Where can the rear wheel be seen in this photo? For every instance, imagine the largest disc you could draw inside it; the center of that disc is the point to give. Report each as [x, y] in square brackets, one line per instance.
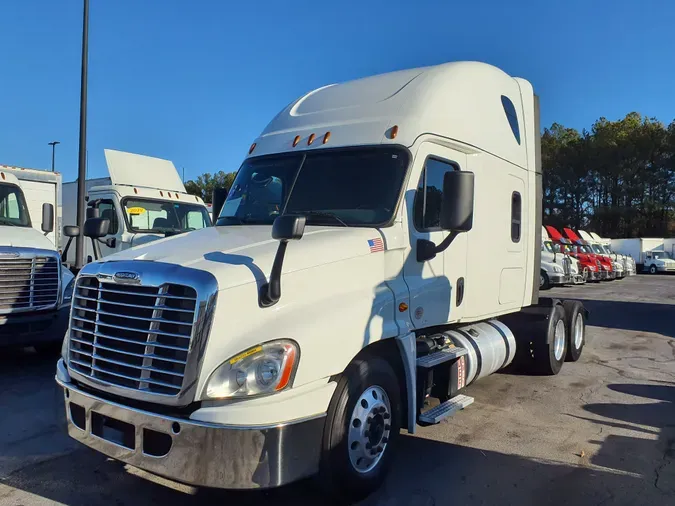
[362, 429]
[549, 354]
[575, 321]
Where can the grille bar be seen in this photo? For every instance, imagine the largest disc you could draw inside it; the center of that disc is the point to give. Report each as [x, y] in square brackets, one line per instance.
[133, 336]
[28, 283]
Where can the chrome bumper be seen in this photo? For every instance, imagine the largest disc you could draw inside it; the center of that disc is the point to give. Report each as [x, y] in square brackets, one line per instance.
[190, 452]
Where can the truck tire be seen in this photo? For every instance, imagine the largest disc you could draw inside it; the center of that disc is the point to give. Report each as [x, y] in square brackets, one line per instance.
[652, 269]
[575, 322]
[544, 282]
[362, 429]
[549, 353]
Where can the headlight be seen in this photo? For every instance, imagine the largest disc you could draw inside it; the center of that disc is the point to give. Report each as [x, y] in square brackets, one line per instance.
[262, 370]
[557, 268]
[68, 292]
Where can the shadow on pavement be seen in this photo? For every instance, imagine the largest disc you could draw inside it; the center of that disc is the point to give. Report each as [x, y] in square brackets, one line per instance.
[636, 316]
[426, 473]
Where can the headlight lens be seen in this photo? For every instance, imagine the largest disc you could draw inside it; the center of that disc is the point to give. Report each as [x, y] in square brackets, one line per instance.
[261, 370]
[68, 292]
[557, 268]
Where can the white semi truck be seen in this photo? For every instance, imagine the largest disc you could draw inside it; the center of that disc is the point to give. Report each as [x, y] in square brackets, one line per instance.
[598, 248]
[649, 254]
[143, 198]
[558, 267]
[35, 289]
[378, 252]
[627, 261]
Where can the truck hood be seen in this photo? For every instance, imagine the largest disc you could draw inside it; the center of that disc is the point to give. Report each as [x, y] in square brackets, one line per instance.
[24, 237]
[237, 255]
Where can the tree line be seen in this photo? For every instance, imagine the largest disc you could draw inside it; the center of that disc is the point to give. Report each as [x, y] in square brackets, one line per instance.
[616, 179]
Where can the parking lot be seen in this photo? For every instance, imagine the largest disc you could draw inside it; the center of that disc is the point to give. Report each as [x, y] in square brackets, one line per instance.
[601, 432]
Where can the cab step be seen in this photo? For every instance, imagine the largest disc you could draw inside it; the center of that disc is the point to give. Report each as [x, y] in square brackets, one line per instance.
[444, 355]
[446, 409]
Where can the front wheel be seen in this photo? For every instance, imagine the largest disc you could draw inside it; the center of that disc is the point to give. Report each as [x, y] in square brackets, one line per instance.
[362, 429]
[544, 282]
[652, 269]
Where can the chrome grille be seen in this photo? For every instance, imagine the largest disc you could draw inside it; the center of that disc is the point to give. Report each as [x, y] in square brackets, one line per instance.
[566, 264]
[28, 283]
[132, 336]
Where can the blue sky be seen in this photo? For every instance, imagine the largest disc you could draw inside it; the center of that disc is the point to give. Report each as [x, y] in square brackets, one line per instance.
[196, 81]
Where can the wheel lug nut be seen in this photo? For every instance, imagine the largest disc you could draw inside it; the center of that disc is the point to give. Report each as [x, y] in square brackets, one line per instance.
[383, 409]
[386, 416]
[370, 419]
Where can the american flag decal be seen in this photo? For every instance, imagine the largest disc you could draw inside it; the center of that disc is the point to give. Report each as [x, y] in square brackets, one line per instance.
[375, 245]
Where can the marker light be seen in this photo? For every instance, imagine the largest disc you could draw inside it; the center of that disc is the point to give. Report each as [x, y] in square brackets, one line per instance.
[250, 150]
[326, 137]
[296, 140]
[311, 139]
[136, 191]
[393, 132]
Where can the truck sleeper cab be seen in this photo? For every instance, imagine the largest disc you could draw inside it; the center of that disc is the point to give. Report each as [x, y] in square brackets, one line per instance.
[351, 277]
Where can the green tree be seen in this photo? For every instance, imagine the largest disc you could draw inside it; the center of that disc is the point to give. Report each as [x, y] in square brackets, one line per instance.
[204, 185]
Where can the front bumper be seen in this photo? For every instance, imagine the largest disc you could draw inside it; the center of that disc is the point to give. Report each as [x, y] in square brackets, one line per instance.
[25, 329]
[195, 453]
[559, 279]
[665, 268]
[594, 276]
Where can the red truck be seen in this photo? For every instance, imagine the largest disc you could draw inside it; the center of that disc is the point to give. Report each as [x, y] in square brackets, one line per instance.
[589, 261]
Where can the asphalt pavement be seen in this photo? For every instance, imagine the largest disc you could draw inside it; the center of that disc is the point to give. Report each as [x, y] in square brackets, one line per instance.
[602, 432]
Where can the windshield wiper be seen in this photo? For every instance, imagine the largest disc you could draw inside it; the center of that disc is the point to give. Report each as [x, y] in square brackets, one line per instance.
[8, 223]
[322, 213]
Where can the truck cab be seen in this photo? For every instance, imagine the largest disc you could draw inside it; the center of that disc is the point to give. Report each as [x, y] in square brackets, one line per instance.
[143, 200]
[380, 248]
[35, 290]
[589, 263]
[607, 271]
[625, 260]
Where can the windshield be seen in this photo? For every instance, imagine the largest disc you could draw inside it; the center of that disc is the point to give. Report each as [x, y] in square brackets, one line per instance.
[598, 249]
[347, 187]
[13, 210]
[549, 247]
[607, 249]
[585, 249]
[161, 216]
[660, 255]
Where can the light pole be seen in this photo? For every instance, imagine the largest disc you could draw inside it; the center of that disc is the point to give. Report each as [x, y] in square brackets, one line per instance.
[82, 164]
[53, 145]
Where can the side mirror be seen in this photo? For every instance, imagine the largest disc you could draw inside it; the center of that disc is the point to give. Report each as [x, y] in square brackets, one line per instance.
[71, 231]
[289, 227]
[218, 198]
[47, 217]
[92, 212]
[96, 227]
[457, 204]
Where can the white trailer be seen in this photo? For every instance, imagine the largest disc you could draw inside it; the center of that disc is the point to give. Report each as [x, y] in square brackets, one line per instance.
[35, 289]
[649, 254]
[401, 213]
[144, 199]
[669, 246]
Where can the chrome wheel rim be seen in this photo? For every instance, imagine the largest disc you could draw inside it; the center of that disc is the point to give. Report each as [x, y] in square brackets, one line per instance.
[578, 331]
[369, 429]
[559, 340]
[541, 280]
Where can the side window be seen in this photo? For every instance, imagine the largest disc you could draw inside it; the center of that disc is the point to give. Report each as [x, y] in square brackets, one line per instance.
[511, 116]
[106, 209]
[516, 212]
[427, 207]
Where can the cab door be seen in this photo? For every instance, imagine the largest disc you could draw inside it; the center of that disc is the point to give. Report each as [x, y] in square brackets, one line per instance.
[437, 284]
[108, 207]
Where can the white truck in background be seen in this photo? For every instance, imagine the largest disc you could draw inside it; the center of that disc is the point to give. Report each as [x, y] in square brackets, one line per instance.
[35, 289]
[401, 213]
[558, 267]
[649, 254]
[626, 260]
[599, 249]
[143, 198]
[669, 246]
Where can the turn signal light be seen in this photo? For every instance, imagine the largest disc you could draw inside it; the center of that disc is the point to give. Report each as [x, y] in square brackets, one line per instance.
[250, 150]
[393, 132]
